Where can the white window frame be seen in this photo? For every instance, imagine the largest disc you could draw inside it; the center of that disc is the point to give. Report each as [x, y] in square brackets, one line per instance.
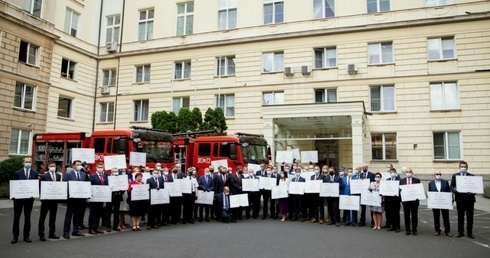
[325, 95]
[139, 111]
[187, 27]
[113, 31]
[109, 77]
[320, 14]
[70, 107]
[437, 2]
[274, 5]
[326, 52]
[275, 97]
[378, 49]
[226, 104]
[440, 43]
[146, 25]
[382, 98]
[68, 69]
[378, 6]
[24, 88]
[31, 51]
[446, 145]
[275, 57]
[145, 72]
[105, 113]
[444, 96]
[185, 72]
[383, 142]
[227, 8]
[224, 65]
[18, 142]
[30, 5]
[71, 28]
[180, 101]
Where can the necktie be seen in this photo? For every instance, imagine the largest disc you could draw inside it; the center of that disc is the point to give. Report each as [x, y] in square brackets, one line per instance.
[348, 180]
[316, 177]
[101, 179]
[206, 179]
[226, 202]
[53, 177]
[224, 179]
[409, 181]
[78, 176]
[27, 174]
[331, 179]
[238, 178]
[164, 177]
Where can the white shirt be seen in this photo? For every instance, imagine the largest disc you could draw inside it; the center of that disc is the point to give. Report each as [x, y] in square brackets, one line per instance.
[438, 185]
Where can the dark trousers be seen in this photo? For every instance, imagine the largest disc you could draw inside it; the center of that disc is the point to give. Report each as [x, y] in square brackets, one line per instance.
[176, 208]
[320, 207]
[112, 208]
[254, 205]
[154, 215]
[410, 214]
[273, 208]
[310, 201]
[188, 203]
[96, 213]
[362, 219]
[19, 205]
[50, 206]
[445, 219]
[392, 209]
[74, 208]
[333, 209]
[467, 207]
[298, 208]
[266, 195]
[166, 208]
[350, 216]
[204, 210]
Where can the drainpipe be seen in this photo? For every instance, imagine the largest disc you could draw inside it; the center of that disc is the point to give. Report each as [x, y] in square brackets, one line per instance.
[97, 66]
[119, 64]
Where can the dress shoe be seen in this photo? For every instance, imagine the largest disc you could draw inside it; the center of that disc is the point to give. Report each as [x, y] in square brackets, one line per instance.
[200, 219]
[66, 236]
[27, 240]
[82, 227]
[391, 229]
[407, 233]
[414, 233]
[92, 232]
[437, 233]
[191, 221]
[255, 217]
[346, 224]
[54, 236]
[263, 218]
[321, 221]
[294, 219]
[148, 228]
[109, 229]
[362, 224]
[42, 238]
[448, 234]
[337, 224]
[99, 231]
[331, 223]
[460, 235]
[354, 224]
[77, 234]
[155, 227]
[116, 229]
[207, 220]
[14, 240]
[386, 226]
[471, 236]
[397, 230]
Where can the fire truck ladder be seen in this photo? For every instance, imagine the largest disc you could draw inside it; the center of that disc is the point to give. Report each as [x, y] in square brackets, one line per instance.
[148, 129]
[195, 134]
[249, 134]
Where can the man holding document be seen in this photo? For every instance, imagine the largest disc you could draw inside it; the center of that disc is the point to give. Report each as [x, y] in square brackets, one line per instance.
[465, 202]
[440, 185]
[410, 208]
[50, 206]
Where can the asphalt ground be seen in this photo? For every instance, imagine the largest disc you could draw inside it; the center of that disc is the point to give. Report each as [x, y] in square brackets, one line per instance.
[252, 238]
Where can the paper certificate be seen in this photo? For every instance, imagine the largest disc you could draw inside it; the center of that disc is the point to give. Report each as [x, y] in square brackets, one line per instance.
[284, 156]
[83, 154]
[307, 156]
[469, 184]
[118, 183]
[329, 190]
[54, 190]
[385, 175]
[101, 193]
[79, 189]
[357, 186]
[313, 186]
[24, 189]
[279, 191]
[347, 202]
[370, 198]
[159, 196]
[440, 200]
[239, 200]
[115, 161]
[140, 192]
[173, 188]
[307, 175]
[205, 197]
[219, 163]
[137, 159]
[250, 185]
[412, 192]
[185, 186]
[255, 168]
[389, 188]
[266, 183]
[297, 188]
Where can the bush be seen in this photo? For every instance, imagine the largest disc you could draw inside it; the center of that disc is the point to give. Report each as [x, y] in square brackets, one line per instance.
[4, 190]
[8, 168]
[486, 192]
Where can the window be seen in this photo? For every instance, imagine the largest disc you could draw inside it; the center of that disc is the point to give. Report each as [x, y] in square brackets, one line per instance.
[109, 77]
[28, 53]
[380, 53]
[185, 18]
[113, 28]
[323, 8]
[99, 144]
[273, 11]
[182, 70]
[106, 112]
[272, 98]
[376, 6]
[178, 103]
[68, 69]
[444, 95]
[227, 14]
[145, 25]
[273, 62]
[383, 146]
[325, 57]
[383, 98]
[204, 149]
[65, 106]
[20, 141]
[143, 73]
[225, 66]
[224, 150]
[227, 103]
[24, 96]
[441, 48]
[141, 110]
[447, 145]
[437, 2]
[33, 7]
[71, 22]
[325, 95]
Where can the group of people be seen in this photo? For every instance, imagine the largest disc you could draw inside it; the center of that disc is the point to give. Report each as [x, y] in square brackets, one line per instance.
[224, 182]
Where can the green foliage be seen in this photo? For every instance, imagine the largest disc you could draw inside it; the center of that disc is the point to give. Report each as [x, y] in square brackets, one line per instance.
[188, 120]
[185, 121]
[486, 192]
[197, 118]
[4, 190]
[8, 168]
[164, 120]
[214, 119]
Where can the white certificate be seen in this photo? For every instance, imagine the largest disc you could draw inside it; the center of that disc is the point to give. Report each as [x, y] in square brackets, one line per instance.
[329, 190]
[54, 190]
[239, 200]
[159, 196]
[347, 202]
[118, 183]
[309, 156]
[296, 154]
[313, 186]
[137, 159]
[79, 189]
[217, 163]
[83, 154]
[186, 186]
[115, 161]
[284, 156]
[205, 197]
[385, 175]
[412, 192]
[357, 186]
[173, 188]
[250, 185]
[24, 189]
[101, 193]
[469, 184]
[297, 188]
[279, 191]
[266, 183]
[440, 200]
[307, 175]
[370, 198]
[140, 192]
[389, 188]
[255, 167]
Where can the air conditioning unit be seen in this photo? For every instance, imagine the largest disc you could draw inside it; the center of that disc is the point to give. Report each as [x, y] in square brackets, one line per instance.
[289, 71]
[352, 69]
[105, 90]
[111, 46]
[306, 69]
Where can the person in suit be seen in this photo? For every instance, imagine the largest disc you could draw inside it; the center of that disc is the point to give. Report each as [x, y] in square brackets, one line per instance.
[316, 207]
[297, 199]
[223, 204]
[465, 202]
[392, 205]
[350, 216]
[136, 208]
[333, 202]
[25, 173]
[274, 207]
[377, 211]
[253, 198]
[113, 207]
[166, 208]
[189, 199]
[283, 203]
[206, 184]
[50, 206]
[97, 208]
[410, 208]
[236, 188]
[220, 181]
[154, 214]
[266, 195]
[176, 202]
[365, 174]
[440, 185]
[74, 206]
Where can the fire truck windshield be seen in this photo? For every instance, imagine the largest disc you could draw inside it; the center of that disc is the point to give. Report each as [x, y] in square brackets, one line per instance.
[156, 151]
[254, 154]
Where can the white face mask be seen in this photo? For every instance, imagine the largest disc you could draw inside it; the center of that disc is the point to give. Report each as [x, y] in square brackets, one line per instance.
[438, 177]
[377, 179]
[251, 174]
[393, 175]
[207, 173]
[79, 168]
[409, 175]
[165, 173]
[298, 174]
[100, 170]
[349, 173]
[52, 169]
[158, 168]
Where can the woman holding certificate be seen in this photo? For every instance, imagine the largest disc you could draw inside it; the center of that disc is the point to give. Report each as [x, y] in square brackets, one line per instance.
[377, 210]
[283, 203]
[136, 208]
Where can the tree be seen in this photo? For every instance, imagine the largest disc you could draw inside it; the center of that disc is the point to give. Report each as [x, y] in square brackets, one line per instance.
[165, 121]
[188, 120]
[196, 118]
[185, 121]
[214, 119]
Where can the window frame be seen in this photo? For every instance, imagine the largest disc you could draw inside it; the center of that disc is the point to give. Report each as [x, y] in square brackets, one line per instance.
[182, 101]
[445, 101]
[226, 105]
[378, 6]
[70, 106]
[324, 54]
[224, 70]
[187, 27]
[109, 77]
[29, 6]
[148, 24]
[185, 73]
[104, 108]
[384, 146]
[143, 73]
[70, 28]
[139, 114]
[381, 97]
[28, 48]
[112, 28]
[19, 142]
[446, 146]
[68, 75]
[274, 4]
[273, 95]
[380, 53]
[275, 55]
[229, 7]
[435, 3]
[440, 49]
[323, 5]
[23, 96]
[325, 95]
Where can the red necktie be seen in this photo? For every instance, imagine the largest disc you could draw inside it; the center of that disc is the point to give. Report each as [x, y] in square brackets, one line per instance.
[53, 178]
[27, 174]
[101, 179]
[224, 179]
[409, 181]
[165, 178]
[238, 178]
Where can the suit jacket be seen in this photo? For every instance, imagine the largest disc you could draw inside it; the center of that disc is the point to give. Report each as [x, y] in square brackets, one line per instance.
[20, 174]
[71, 176]
[219, 184]
[444, 186]
[295, 179]
[236, 185]
[461, 197]
[336, 179]
[95, 179]
[153, 184]
[219, 206]
[320, 177]
[370, 176]
[47, 177]
[179, 175]
[261, 172]
[415, 180]
[209, 186]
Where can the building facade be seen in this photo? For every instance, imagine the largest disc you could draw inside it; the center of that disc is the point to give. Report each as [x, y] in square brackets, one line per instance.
[375, 81]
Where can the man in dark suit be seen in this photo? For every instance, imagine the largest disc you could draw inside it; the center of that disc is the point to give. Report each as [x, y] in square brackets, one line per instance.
[333, 202]
[410, 208]
[266, 194]
[220, 181]
[113, 207]
[440, 185]
[74, 206]
[97, 208]
[297, 199]
[176, 202]
[392, 205]
[166, 208]
[154, 214]
[25, 173]
[223, 205]
[365, 174]
[206, 183]
[274, 207]
[253, 198]
[236, 188]
[50, 206]
[315, 206]
[465, 202]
